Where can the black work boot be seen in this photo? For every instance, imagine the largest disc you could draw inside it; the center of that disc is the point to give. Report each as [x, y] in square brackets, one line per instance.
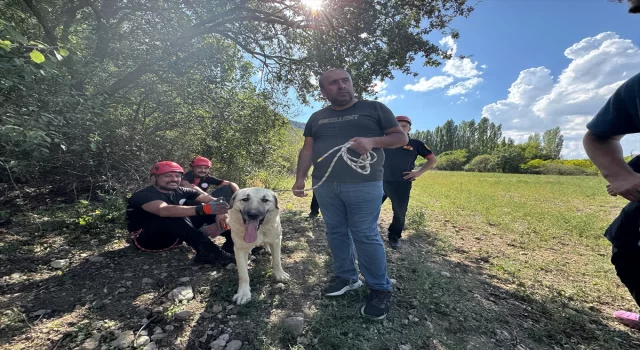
[209, 253]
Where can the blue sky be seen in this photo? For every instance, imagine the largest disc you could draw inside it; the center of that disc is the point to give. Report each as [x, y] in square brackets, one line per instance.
[561, 59]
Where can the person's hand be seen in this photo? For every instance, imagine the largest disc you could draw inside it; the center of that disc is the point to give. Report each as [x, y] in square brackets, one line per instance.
[626, 186]
[298, 188]
[411, 175]
[221, 220]
[362, 145]
[215, 207]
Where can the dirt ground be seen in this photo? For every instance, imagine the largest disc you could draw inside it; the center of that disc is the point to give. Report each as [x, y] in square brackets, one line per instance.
[111, 294]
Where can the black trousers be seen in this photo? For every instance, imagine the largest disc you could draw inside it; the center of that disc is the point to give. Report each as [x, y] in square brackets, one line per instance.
[166, 232]
[398, 192]
[626, 261]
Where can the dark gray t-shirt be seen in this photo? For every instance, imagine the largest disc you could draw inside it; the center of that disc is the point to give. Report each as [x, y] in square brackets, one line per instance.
[621, 114]
[331, 128]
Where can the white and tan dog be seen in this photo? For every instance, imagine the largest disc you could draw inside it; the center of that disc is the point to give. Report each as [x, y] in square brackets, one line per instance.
[254, 219]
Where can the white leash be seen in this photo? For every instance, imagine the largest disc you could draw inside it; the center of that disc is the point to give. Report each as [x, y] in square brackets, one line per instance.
[361, 165]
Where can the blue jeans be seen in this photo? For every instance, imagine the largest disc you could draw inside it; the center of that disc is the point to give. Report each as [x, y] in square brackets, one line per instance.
[350, 212]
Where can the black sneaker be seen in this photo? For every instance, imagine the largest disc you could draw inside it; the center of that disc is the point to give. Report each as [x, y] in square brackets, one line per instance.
[220, 257]
[338, 286]
[378, 303]
[394, 243]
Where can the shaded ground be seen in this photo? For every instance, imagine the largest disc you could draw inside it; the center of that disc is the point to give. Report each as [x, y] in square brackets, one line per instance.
[444, 296]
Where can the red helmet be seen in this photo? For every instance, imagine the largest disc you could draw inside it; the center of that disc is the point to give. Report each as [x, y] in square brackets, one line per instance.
[166, 166]
[403, 118]
[200, 161]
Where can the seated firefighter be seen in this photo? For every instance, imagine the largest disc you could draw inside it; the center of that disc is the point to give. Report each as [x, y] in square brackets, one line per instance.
[159, 217]
[200, 180]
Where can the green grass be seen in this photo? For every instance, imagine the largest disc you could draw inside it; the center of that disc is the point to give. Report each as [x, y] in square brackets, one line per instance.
[543, 232]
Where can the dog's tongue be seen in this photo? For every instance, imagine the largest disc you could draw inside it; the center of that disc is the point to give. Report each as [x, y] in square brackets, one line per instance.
[251, 231]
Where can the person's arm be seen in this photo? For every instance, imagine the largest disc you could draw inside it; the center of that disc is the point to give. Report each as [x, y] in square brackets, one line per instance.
[304, 164]
[187, 184]
[606, 154]
[431, 162]
[393, 137]
[233, 185]
[205, 198]
[163, 209]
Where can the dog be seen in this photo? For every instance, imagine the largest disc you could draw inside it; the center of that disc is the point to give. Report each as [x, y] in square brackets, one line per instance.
[254, 219]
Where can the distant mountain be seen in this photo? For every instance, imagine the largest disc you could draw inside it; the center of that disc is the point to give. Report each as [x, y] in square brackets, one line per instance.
[297, 125]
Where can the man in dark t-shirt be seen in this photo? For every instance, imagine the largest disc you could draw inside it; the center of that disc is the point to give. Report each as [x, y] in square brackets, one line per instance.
[350, 200]
[399, 176]
[200, 180]
[158, 218]
[618, 117]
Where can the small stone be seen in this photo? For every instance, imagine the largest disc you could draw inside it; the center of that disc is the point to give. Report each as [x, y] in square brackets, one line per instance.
[404, 347]
[147, 281]
[445, 274]
[91, 343]
[181, 293]
[96, 258]
[157, 330]
[203, 338]
[183, 315]
[144, 332]
[393, 281]
[219, 343]
[294, 325]
[40, 312]
[216, 308]
[142, 341]
[168, 328]
[206, 314]
[158, 336]
[280, 286]
[234, 345]
[231, 267]
[151, 346]
[405, 321]
[229, 307]
[60, 264]
[124, 340]
[97, 324]
[121, 290]
[185, 279]
[15, 275]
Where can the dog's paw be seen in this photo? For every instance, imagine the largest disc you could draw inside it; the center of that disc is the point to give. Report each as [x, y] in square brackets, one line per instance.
[281, 276]
[242, 297]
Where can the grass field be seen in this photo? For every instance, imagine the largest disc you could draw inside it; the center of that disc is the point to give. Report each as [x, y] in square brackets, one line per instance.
[490, 261]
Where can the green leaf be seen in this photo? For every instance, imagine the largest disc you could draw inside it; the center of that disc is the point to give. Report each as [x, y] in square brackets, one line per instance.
[5, 44]
[36, 56]
[64, 52]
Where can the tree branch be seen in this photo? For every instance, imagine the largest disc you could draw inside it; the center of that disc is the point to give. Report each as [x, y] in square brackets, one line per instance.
[48, 32]
[70, 17]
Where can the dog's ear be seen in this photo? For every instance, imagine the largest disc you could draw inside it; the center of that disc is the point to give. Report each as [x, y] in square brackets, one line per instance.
[233, 198]
[275, 200]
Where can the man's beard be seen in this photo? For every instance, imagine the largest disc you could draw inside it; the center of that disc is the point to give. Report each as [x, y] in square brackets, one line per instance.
[343, 100]
[167, 188]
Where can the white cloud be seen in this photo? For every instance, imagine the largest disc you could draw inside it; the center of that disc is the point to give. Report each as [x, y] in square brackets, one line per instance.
[449, 43]
[537, 102]
[464, 86]
[461, 67]
[379, 88]
[436, 82]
